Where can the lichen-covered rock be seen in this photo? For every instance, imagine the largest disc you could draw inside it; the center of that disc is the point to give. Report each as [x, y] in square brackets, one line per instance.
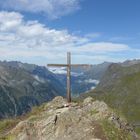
[87, 101]
[57, 102]
[88, 121]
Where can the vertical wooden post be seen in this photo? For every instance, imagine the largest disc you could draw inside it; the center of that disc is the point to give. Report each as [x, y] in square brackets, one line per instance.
[68, 77]
[68, 65]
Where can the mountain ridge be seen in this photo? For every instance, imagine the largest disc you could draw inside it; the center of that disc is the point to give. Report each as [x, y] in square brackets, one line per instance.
[119, 88]
[25, 85]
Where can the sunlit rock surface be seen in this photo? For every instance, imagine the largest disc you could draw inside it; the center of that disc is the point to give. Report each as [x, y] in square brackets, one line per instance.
[58, 120]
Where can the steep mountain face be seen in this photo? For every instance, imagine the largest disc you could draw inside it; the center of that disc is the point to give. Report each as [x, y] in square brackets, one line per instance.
[57, 120]
[97, 71]
[23, 86]
[120, 89]
[83, 79]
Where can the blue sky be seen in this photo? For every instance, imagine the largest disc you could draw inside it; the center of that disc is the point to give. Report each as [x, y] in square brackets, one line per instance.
[42, 31]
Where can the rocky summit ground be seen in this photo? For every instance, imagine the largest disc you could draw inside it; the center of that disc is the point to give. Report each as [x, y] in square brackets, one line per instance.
[58, 120]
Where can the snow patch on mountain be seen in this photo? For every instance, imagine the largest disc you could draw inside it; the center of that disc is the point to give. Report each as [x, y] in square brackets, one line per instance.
[90, 81]
[93, 87]
[41, 80]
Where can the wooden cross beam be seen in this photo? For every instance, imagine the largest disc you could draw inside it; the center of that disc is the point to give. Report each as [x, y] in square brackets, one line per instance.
[68, 66]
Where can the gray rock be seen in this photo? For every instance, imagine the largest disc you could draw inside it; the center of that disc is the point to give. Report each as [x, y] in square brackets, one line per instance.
[75, 122]
[87, 101]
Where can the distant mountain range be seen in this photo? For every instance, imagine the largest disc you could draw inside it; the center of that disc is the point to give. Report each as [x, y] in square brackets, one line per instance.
[83, 79]
[25, 85]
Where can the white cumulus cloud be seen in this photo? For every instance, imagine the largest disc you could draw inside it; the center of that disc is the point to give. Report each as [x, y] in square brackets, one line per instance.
[53, 8]
[34, 42]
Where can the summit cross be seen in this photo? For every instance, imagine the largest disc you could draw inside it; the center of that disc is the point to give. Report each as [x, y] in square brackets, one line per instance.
[68, 66]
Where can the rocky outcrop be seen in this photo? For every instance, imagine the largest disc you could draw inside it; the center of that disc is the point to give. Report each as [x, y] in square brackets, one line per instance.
[58, 120]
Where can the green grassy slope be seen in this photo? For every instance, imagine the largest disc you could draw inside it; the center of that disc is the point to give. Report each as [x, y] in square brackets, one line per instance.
[120, 88]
